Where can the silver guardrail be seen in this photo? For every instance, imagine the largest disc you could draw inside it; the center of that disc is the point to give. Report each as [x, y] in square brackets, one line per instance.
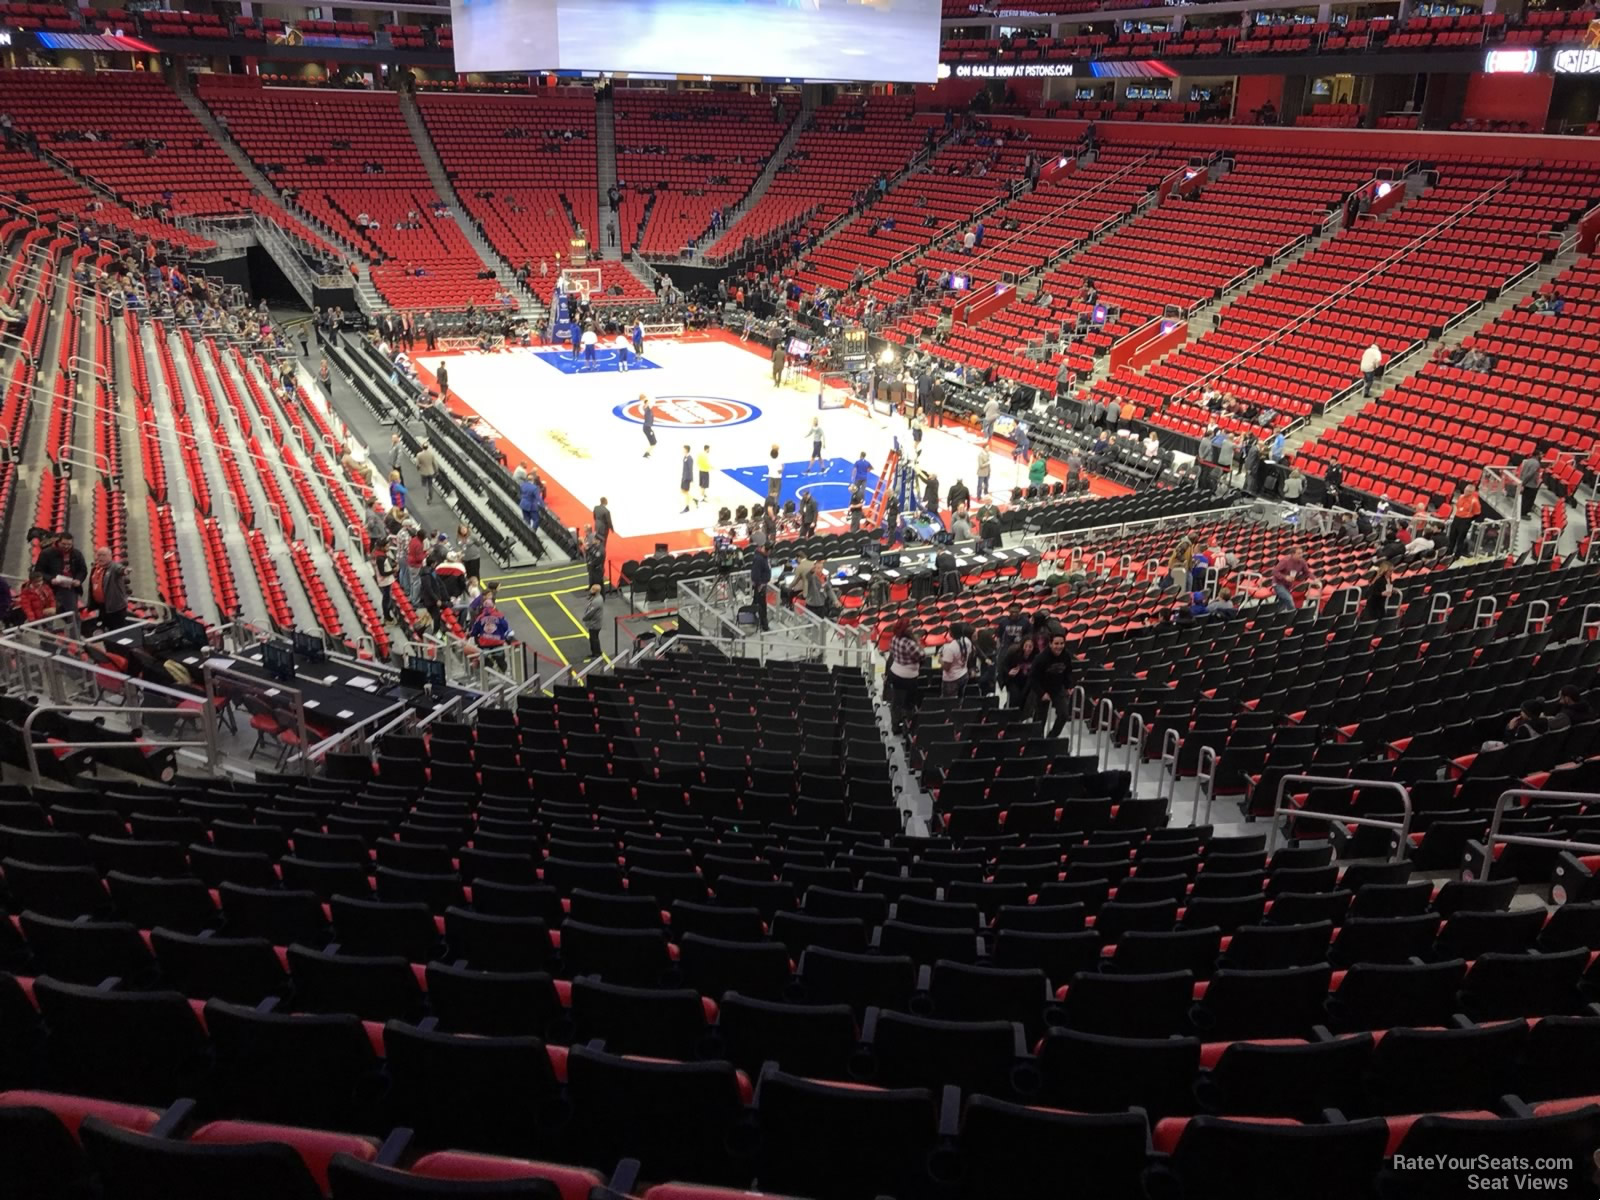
[1167, 786]
[1401, 828]
[1496, 838]
[206, 715]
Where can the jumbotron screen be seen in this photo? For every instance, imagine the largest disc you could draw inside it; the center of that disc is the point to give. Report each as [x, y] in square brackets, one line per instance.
[890, 40]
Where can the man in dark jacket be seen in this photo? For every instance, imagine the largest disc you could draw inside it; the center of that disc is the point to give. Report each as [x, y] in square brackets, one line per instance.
[65, 570]
[1049, 679]
[989, 528]
[958, 496]
[933, 405]
[760, 578]
[808, 515]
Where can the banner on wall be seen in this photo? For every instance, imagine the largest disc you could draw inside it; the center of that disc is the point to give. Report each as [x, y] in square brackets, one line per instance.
[1524, 61]
[1576, 61]
[1014, 70]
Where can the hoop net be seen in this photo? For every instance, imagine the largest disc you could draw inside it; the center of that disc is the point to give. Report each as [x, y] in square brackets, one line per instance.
[586, 283]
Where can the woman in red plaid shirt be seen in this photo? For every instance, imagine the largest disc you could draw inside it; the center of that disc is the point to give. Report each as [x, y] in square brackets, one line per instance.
[905, 672]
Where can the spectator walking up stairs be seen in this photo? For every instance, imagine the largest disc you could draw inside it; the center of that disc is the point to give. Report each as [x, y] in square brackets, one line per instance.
[505, 275]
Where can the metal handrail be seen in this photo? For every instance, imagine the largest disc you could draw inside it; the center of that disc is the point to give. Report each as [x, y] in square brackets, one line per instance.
[1205, 777]
[1135, 753]
[1077, 708]
[1171, 747]
[1522, 839]
[1194, 387]
[206, 713]
[1402, 827]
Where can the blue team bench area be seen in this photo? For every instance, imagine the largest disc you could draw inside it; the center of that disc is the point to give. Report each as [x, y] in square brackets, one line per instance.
[830, 486]
[605, 359]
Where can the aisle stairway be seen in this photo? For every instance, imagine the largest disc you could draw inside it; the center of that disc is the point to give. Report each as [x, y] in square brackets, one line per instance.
[141, 571]
[605, 174]
[527, 302]
[242, 160]
[191, 557]
[30, 455]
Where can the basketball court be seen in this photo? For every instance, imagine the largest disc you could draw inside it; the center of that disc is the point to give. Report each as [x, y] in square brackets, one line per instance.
[581, 425]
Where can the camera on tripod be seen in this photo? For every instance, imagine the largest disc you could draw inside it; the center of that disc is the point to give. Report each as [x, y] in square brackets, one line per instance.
[724, 554]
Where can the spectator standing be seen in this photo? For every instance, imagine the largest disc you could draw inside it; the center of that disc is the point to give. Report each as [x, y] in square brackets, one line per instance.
[427, 466]
[325, 379]
[377, 532]
[594, 558]
[983, 471]
[821, 599]
[1371, 360]
[1377, 592]
[954, 657]
[1290, 572]
[397, 454]
[397, 491]
[991, 414]
[443, 376]
[108, 590]
[602, 522]
[1048, 679]
[933, 405]
[416, 556]
[1463, 512]
[905, 674]
[63, 566]
[808, 515]
[1530, 474]
[1016, 668]
[383, 568]
[593, 615]
[760, 580]
[531, 501]
[398, 551]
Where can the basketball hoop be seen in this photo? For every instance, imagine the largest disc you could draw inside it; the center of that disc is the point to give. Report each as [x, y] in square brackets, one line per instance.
[585, 283]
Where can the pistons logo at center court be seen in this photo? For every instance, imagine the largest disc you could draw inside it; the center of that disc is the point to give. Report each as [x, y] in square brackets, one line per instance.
[691, 412]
